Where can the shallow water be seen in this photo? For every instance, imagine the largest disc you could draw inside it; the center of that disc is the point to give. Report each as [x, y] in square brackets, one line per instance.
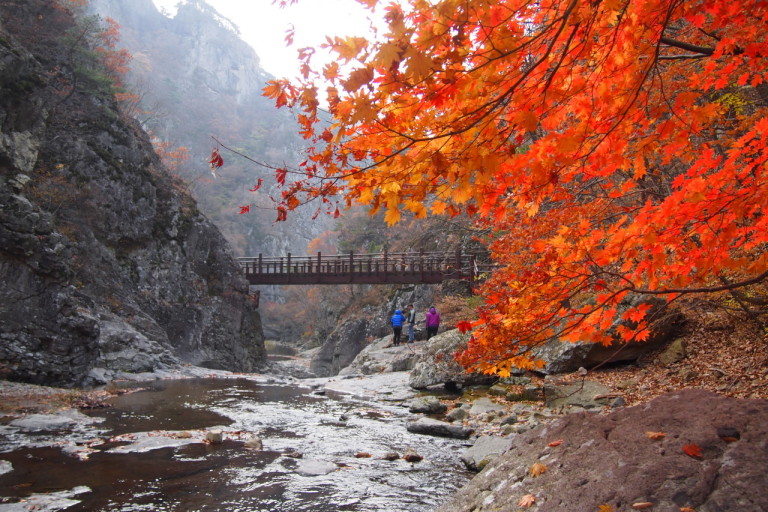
[327, 430]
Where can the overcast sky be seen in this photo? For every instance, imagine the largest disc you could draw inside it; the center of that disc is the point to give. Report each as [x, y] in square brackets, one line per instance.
[263, 26]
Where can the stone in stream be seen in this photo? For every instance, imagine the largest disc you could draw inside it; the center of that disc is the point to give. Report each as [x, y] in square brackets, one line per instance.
[411, 455]
[427, 405]
[431, 427]
[314, 467]
[254, 443]
[214, 437]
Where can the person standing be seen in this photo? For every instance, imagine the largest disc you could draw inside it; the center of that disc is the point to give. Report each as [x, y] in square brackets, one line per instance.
[411, 322]
[433, 322]
[397, 326]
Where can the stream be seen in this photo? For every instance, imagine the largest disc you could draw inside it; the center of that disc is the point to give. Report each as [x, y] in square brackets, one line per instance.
[323, 450]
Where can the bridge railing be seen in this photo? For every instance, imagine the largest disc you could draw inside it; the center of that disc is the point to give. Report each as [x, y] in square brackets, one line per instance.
[378, 268]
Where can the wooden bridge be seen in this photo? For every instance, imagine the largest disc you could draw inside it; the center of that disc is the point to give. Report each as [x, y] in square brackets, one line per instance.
[380, 268]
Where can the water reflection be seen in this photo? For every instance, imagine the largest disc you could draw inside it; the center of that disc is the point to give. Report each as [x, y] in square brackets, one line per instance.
[327, 432]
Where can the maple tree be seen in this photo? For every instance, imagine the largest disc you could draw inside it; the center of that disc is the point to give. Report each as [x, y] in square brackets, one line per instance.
[616, 148]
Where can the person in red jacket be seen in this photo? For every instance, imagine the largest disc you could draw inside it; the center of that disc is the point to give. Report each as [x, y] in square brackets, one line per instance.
[433, 322]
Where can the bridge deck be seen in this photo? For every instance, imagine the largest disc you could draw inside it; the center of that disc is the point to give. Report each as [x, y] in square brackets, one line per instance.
[380, 268]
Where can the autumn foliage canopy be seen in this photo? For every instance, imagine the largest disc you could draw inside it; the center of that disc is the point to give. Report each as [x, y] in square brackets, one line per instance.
[616, 148]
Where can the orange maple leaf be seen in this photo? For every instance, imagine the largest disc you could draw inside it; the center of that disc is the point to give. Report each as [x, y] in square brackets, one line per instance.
[537, 469]
[605, 508]
[692, 450]
[555, 443]
[527, 501]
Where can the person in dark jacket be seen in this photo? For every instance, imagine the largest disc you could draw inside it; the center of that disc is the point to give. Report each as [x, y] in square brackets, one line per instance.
[433, 322]
[397, 326]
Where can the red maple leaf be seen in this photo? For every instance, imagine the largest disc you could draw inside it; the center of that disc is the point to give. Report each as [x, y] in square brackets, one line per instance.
[216, 160]
[692, 450]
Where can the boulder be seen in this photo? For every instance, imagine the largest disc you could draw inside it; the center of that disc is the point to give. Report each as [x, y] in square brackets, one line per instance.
[427, 405]
[674, 353]
[485, 449]
[586, 394]
[314, 467]
[437, 366]
[564, 357]
[710, 457]
[431, 427]
[485, 406]
[381, 357]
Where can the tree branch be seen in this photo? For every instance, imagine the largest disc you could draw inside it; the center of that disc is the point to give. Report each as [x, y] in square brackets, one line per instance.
[703, 50]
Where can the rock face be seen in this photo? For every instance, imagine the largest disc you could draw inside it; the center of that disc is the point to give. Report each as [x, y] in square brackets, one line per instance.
[107, 265]
[438, 366]
[712, 457]
[350, 338]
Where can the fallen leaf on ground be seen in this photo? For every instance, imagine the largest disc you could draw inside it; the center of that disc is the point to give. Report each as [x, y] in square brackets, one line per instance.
[555, 443]
[537, 469]
[526, 501]
[605, 508]
[655, 435]
[642, 505]
[692, 450]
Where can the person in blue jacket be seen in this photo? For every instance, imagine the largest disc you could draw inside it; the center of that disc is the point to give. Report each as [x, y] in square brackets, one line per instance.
[397, 326]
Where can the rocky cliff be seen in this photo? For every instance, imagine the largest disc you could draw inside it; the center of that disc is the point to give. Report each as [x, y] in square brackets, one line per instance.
[107, 264]
[198, 79]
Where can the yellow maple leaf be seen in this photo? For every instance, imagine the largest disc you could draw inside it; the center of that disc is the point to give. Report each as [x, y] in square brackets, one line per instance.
[605, 508]
[392, 216]
[537, 469]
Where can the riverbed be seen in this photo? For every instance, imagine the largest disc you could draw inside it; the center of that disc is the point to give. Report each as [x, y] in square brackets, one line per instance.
[287, 445]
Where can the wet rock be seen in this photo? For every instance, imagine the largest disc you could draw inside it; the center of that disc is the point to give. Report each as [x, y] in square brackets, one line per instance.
[432, 427]
[294, 454]
[608, 459]
[410, 455]
[254, 443]
[314, 467]
[427, 405]
[362, 455]
[214, 436]
[391, 456]
[46, 422]
[485, 449]
[5, 467]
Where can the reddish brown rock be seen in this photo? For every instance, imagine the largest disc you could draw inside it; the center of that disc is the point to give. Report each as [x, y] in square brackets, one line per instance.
[609, 459]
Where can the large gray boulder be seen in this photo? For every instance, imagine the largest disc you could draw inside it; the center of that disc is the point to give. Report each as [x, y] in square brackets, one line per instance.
[437, 365]
[564, 357]
[709, 455]
[381, 357]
